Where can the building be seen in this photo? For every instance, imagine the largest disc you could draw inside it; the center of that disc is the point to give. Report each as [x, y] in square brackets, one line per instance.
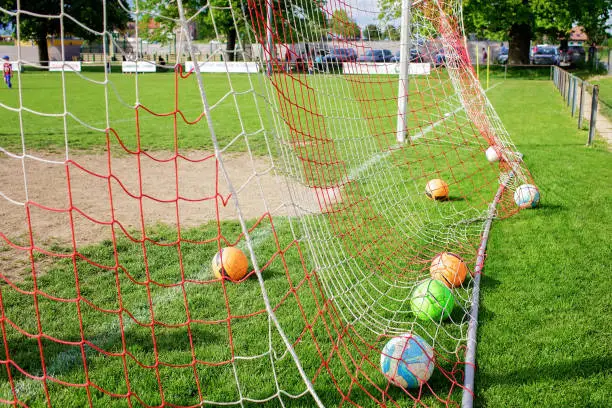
[578, 37]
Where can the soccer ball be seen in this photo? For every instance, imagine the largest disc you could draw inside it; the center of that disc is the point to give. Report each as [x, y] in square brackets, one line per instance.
[230, 263]
[436, 189]
[449, 269]
[492, 155]
[407, 361]
[432, 300]
[527, 196]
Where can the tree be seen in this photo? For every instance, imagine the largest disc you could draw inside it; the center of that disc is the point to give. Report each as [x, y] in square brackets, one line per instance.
[343, 25]
[372, 32]
[521, 20]
[86, 12]
[308, 17]
[391, 32]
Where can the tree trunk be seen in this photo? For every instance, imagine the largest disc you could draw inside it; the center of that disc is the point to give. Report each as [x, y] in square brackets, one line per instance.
[43, 49]
[231, 44]
[520, 41]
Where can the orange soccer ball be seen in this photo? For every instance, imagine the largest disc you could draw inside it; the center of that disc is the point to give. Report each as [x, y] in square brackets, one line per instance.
[230, 263]
[437, 189]
[448, 268]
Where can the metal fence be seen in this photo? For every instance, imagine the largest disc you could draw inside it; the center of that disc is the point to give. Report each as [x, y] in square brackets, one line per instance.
[580, 95]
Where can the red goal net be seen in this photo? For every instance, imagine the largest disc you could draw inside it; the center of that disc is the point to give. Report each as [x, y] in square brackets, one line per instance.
[355, 163]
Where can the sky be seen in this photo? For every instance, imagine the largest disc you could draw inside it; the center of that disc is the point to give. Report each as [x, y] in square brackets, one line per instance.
[364, 12]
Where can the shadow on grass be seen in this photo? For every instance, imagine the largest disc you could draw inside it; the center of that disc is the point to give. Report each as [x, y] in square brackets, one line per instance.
[454, 198]
[65, 361]
[549, 209]
[487, 281]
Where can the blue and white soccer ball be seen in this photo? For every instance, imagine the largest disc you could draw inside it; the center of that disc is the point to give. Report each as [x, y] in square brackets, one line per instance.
[527, 196]
[407, 361]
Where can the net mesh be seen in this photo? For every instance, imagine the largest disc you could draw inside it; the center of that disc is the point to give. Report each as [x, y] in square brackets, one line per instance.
[107, 295]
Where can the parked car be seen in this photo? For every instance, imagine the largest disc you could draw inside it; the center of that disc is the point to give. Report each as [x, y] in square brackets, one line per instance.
[376, 56]
[573, 55]
[337, 56]
[318, 56]
[415, 56]
[341, 55]
[545, 55]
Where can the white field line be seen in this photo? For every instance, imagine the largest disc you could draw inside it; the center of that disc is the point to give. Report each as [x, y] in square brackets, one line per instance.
[446, 115]
[355, 173]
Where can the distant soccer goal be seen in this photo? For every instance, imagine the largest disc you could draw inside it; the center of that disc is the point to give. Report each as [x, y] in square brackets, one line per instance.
[234, 202]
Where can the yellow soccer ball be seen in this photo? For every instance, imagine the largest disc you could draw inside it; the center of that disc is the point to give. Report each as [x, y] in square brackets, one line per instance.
[437, 189]
[230, 263]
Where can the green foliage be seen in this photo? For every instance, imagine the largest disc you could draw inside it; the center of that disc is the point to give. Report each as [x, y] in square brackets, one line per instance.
[343, 25]
[593, 15]
[87, 12]
[166, 13]
[389, 9]
[372, 32]
[391, 32]
[495, 18]
[227, 17]
[523, 20]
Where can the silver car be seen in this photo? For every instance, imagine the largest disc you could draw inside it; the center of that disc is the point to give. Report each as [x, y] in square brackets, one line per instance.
[545, 55]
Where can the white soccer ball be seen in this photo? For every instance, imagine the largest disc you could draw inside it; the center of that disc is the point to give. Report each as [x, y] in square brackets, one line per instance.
[492, 155]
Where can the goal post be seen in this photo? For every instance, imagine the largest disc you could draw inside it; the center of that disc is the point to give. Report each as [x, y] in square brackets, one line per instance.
[405, 57]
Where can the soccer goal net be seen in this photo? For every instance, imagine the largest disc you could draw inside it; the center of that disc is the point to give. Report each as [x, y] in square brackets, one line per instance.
[231, 202]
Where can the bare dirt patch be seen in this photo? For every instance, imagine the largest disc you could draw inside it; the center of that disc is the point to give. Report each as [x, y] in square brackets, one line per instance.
[58, 200]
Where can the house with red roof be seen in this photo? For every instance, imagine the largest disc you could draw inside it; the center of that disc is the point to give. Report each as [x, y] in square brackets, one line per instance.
[578, 37]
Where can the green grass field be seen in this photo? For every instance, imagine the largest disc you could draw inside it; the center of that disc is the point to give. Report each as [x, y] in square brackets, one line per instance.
[543, 339]
[86, 101]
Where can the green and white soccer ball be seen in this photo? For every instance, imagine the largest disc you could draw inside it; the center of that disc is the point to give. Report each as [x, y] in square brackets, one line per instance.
[407, 361]
[432, 300]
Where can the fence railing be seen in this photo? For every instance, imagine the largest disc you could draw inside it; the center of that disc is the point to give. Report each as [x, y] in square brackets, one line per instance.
[580, 95]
